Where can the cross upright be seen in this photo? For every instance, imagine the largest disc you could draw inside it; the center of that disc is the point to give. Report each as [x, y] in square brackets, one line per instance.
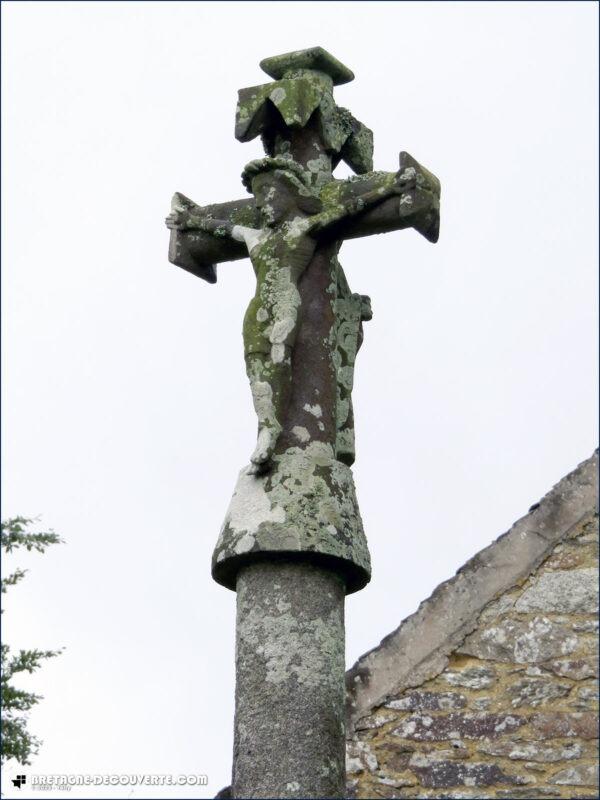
[292, 544]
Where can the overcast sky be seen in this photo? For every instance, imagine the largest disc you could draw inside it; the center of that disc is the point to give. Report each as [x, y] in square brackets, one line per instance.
[127, 413]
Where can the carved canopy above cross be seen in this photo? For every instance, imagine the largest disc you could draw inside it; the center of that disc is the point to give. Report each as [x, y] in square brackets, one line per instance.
[297, 112]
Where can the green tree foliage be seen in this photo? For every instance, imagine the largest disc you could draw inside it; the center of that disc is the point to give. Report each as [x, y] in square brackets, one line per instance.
[17, 742]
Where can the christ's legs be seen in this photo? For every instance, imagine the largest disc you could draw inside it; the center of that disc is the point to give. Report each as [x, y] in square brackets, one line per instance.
[268, 366]
[270, 383]
[270, 327]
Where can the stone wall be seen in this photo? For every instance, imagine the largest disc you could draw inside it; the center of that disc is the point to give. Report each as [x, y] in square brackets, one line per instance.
[509, 709]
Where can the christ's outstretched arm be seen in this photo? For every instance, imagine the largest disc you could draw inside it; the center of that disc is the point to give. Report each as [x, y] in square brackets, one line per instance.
[404, 182]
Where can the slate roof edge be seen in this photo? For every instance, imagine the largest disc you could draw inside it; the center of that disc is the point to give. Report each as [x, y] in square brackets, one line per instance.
[419, 648]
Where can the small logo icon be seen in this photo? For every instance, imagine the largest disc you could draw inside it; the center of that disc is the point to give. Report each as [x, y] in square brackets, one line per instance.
[19, 781]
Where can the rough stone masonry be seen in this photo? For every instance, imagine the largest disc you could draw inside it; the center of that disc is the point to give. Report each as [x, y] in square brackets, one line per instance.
[292, 544]
[490, 690]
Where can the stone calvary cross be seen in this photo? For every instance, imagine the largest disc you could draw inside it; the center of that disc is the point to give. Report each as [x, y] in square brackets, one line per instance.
[292, 544]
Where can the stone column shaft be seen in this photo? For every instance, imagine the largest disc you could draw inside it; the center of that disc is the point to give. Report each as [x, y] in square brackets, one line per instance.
[289, 724]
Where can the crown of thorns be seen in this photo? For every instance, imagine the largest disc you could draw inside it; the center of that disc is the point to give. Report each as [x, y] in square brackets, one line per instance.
[270, 164]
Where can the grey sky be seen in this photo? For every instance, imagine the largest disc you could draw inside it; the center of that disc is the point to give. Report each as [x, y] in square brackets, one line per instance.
[126, 409]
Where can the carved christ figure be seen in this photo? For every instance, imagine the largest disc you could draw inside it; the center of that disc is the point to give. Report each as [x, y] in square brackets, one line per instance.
[293, 218]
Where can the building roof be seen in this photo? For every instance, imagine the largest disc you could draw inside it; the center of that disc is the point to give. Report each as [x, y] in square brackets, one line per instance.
[419, 648]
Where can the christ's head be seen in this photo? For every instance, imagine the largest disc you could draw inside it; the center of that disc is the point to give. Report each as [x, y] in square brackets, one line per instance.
[280, 190]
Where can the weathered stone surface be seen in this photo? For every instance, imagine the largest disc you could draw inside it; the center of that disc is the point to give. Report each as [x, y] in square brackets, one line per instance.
[305, 506]
[457, 726]
[471, 678]
[586, 626]
[536, 691]
[289, 658]
[577, 669]
[378, 789]
[562, 591]
[420, 647]
[531, 671]
[579, 775]
[533, 793]
[589, 535]
[360, 757]
[586, 698]
[497, 608]
[533, 767]
[583, 793]
[458, 753]
[438, 774]
[569, 555]
[312, 58]
[395, 754]
[373, 722]
[589, 645]
[556, 725]
[428, 701]
[534, 640]
[523, 750]
[457, 795]
[396, 783]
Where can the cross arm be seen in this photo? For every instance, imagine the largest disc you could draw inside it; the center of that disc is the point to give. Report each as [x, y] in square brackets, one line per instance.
[361, 196]
[385, 206]
[199, 251]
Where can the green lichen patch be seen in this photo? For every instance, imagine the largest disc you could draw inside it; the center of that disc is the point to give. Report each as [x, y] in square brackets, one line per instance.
[290, 103]
[305, 505]
[295, 100]
[312, 58]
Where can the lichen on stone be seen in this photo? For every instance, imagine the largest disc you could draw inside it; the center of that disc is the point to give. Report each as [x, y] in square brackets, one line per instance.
[305, 504]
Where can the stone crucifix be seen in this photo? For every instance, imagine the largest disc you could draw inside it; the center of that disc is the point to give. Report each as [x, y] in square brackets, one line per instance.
[292, 544]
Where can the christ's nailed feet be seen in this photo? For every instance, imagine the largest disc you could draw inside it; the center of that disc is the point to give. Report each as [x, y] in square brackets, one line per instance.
[261, 457]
